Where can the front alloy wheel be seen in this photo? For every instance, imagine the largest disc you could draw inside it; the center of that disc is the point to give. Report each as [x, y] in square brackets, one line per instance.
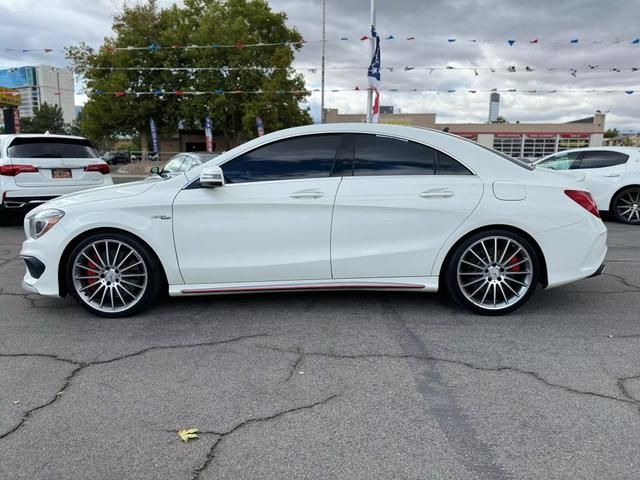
[493, 273]
[112, 275]
[626, 206]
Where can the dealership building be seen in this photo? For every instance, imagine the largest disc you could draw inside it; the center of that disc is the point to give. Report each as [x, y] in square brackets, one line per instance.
[41, 84]
[525, 140]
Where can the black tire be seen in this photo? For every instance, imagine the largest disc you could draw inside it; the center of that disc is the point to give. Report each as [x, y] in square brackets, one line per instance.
[625, 206]
[5, 219]
[505, 273]
[146, 294]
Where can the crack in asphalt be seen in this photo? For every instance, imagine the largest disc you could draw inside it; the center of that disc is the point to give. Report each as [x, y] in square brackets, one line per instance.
[427, 358]
[222, 435]
[621, 384]
[296, 364]
[32, 299]
[80, 366]
[30, 412]
[624, 281]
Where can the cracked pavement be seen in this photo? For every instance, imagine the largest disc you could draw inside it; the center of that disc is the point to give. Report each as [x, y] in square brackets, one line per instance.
[325, 384]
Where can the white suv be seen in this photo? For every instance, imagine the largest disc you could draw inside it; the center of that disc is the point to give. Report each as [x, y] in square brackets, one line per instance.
[612, 174]
[35, 168]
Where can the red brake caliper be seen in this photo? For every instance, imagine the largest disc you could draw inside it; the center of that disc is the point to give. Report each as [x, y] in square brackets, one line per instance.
[89, 273]
[513, 261]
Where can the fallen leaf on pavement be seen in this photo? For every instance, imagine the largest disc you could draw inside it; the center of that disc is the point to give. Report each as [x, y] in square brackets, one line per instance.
[187, 434]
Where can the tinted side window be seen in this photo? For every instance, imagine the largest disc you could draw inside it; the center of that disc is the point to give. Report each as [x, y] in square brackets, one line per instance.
[310, 156]
[379, 155]
[449, 166]
[561, 161]
[602, 159]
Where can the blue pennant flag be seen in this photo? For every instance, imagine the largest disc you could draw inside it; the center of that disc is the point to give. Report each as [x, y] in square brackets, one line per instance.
[373, 73]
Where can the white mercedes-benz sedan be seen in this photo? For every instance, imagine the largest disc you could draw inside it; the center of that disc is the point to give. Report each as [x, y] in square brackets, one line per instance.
[336, 206]
[612, 175]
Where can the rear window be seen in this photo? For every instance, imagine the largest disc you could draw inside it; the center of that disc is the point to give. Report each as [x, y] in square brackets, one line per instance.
[51, 148]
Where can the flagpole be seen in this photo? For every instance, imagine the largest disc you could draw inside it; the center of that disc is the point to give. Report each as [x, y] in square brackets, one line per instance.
[324, 13]
[372, 47]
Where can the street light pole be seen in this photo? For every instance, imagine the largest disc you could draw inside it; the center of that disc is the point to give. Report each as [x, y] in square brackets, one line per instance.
[59, 92]
[372, 47]
[324, 17]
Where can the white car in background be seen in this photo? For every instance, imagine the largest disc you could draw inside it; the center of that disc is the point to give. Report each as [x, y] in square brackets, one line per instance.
[333, 207]
[182, 162]
[35, 168]
[612, 174]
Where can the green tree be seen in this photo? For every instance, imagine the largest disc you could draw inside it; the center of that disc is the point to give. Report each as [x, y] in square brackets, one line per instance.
[501, 119]
[198, 22]
[45, 118]
[611, 133]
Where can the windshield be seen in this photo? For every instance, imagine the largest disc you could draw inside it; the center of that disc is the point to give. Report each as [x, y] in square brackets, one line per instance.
[42, 147]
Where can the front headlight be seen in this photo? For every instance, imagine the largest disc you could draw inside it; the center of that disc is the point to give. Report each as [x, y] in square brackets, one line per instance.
[43, 221]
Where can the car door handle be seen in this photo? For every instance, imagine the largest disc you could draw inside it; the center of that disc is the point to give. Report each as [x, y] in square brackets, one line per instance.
[613, 175]
[437, 193]
[306, 194]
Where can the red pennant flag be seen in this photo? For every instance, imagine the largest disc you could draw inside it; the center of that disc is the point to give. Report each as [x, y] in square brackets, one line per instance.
[47, 50]
[109, 49]
[535, 40]
[357, 87]
[411, 38]
[120, 94]
[238, 45]
[179, 92]
[364, 37]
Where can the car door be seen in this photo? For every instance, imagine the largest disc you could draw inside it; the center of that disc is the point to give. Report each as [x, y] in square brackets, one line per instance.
[603, 171]
[270, 222]
[401, 203]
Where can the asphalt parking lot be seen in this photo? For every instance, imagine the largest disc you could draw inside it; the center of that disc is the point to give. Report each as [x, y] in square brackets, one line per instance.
[325, 385]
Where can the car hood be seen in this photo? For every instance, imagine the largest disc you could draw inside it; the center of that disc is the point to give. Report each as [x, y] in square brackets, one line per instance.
[99, 194]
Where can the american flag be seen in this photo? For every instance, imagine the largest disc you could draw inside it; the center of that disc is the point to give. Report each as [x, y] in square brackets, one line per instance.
[374, 77]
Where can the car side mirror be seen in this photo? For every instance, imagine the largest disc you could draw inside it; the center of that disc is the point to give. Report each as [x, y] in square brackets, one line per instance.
[211, 177]
[155, 170]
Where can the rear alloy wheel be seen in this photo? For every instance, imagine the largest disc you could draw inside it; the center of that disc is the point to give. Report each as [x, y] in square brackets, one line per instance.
[113, 275]
[626, 206]
[493, 272]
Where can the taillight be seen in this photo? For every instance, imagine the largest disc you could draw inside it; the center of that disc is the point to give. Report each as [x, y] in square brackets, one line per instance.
[98, 167]
[584, 199]
[13, 170]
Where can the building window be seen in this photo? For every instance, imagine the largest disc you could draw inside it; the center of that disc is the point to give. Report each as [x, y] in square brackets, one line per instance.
[568, 143]
[511, 146]
[539, 147]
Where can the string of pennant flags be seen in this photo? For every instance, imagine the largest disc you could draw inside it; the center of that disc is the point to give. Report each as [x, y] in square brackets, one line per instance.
[404, 68]
[399, 68]
[158, 92]
[153, 47]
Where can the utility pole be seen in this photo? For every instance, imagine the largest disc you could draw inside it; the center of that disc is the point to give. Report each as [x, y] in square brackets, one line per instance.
[59, 92]
[372, 47]
[324, 18]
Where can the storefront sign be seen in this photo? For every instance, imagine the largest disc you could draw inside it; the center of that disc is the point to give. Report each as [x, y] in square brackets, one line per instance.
[9, 97]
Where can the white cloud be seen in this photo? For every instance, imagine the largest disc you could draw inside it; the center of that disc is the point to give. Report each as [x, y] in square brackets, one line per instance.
[58, 23]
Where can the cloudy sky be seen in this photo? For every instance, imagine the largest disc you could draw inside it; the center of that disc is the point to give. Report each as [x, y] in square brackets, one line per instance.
[56, 23]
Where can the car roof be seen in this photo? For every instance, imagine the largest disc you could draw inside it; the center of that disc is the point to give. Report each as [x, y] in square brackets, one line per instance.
[11, 136]
[7, 138]
[627, 150]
